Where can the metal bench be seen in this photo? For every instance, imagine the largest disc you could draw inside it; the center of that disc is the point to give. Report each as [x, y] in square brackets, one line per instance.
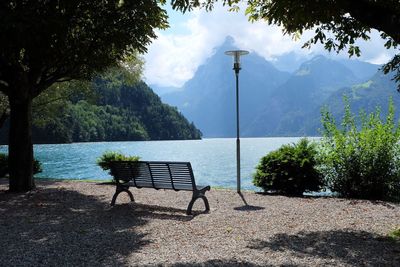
[158, 175]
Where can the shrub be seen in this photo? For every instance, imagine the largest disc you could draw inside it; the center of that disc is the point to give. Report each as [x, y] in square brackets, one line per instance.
[362, 162]
[109, 156]
[290, 170]
[37, 166]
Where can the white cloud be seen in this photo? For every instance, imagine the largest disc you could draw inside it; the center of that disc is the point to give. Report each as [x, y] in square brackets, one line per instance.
[373, 50]
[173, 58]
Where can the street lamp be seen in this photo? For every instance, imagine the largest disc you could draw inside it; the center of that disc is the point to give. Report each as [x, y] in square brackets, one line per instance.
[236, 67]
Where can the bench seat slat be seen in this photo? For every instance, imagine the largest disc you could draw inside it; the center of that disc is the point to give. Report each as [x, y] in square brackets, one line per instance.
[163, 185]
[187, 187]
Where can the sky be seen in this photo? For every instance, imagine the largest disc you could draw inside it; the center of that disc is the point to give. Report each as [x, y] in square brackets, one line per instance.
[174, 56]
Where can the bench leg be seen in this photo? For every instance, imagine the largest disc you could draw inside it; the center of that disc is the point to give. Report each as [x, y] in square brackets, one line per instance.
[206, 203]
[194, 198]
[119, 190]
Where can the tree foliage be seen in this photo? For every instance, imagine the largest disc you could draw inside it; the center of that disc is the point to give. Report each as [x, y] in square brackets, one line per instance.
[337, 24]
[362, 161]
[52, 41]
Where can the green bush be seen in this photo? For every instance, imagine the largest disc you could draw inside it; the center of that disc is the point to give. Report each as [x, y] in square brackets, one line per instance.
[37, 166]
[109, 156]
[363, 161]
[290, 170]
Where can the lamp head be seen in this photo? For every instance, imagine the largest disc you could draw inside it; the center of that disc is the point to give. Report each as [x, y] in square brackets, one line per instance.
[236, 57]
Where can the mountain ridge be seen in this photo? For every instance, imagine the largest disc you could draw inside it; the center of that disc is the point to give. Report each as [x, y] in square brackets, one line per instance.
[272, 102]
[209, 97]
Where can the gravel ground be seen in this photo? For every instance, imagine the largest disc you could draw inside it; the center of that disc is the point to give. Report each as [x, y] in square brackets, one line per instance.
[72, 224]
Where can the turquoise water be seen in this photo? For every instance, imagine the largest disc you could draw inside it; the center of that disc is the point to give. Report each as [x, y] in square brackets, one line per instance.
[213, 160]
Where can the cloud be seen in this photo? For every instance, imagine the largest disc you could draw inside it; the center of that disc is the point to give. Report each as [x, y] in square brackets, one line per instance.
[173, 58]
[373, 50]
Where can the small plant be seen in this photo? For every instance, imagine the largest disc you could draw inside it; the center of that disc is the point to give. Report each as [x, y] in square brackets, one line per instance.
[109, 156]
[362, 161]
[395, 234]
[37, 166]
[290, 170]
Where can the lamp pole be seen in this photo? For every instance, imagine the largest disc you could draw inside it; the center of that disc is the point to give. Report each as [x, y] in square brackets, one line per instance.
[236, 67]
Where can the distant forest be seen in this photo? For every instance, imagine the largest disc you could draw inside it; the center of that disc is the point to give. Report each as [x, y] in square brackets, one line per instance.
[109, 109]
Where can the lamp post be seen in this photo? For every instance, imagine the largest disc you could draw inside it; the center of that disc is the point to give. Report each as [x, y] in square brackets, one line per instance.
[236, 67]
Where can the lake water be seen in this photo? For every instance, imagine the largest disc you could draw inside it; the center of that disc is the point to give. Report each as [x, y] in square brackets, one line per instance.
[213, 160]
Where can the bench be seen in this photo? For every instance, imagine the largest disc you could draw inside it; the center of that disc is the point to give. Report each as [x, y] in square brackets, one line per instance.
[158, 175]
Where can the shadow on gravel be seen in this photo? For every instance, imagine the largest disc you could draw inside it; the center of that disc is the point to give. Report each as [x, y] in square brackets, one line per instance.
[156, 212]
[356, 248]
[219, 263]
[386, 204]
[57, 226]
[224, 263]
[246, 206]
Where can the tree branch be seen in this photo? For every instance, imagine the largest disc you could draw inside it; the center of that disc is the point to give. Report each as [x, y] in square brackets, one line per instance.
[383, 16]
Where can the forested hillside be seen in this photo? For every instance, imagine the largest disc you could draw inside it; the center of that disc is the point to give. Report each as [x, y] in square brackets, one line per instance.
[112, 110]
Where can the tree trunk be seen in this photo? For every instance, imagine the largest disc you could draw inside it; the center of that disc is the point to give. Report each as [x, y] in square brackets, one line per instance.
[20, 148]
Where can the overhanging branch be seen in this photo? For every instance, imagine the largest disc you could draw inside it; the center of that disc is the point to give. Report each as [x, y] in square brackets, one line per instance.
[380, 15]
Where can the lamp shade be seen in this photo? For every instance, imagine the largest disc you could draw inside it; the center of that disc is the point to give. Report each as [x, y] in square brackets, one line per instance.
[236, 55]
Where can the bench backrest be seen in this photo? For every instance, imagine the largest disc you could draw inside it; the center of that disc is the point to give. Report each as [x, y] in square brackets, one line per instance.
[155, 174]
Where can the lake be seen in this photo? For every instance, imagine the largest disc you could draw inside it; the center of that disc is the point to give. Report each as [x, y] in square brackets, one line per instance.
[213, 160]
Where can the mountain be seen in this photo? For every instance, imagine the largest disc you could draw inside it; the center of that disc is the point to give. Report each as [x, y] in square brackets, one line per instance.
[362, 70]
[372, 93]
[208, 99]
[272, 102]
[306, 89]
[290, 62]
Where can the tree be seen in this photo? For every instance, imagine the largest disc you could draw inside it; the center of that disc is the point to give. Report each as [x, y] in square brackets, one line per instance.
[337, 23]
[46, 42]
